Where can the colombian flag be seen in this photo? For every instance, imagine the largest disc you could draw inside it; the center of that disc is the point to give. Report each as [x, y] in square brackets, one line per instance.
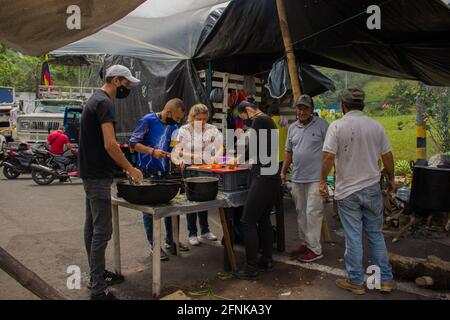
[46, 77]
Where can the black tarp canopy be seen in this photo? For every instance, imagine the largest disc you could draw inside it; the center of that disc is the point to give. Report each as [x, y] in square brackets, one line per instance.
[413, 42]
[166, 42]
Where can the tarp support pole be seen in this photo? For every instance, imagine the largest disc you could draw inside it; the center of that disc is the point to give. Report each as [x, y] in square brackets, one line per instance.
[292, 64]
[421, 132]
[209, 79]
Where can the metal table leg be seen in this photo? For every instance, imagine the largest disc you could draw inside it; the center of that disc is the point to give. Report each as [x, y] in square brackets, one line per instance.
[116, 238]
[176, 235]
[156, 276]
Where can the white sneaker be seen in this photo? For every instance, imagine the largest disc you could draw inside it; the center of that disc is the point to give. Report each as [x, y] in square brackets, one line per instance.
[209, 236]
[193, 241]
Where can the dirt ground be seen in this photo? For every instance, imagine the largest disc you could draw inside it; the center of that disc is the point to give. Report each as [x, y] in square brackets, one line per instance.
[42, 227]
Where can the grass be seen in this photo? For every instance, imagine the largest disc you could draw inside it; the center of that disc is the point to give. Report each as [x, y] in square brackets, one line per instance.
[403, 141]
[379, 89]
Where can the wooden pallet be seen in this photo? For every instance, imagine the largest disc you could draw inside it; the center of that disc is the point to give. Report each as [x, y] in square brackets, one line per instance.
[228, 82]
[285, 104]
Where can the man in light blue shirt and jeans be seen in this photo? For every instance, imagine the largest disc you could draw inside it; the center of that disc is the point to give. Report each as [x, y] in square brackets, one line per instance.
[355, 143]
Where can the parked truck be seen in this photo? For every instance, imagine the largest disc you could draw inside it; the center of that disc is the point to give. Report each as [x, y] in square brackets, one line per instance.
[50, 110]
[7, 97]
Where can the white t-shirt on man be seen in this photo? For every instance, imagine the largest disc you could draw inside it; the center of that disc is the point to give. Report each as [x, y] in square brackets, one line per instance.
[358, 143]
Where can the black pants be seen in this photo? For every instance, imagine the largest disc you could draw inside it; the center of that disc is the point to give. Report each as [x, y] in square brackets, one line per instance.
[97, 228]
[256, 218]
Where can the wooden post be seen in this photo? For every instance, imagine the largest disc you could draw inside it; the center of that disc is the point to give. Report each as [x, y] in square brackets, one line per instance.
[325, 229]
[279, 218]
[27, 278]
[292, 64]
[227, 239]
[421, 132]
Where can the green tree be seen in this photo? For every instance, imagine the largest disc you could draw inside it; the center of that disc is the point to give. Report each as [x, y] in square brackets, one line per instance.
[438, 111]
[24, 72]
[403, 96]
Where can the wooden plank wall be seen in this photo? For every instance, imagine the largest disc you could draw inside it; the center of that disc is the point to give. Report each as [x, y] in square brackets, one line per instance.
[229, 82]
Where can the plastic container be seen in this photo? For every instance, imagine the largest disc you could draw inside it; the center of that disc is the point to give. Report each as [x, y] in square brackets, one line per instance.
[403, 194]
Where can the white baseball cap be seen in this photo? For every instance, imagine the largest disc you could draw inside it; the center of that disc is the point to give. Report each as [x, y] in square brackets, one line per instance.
[119, 70]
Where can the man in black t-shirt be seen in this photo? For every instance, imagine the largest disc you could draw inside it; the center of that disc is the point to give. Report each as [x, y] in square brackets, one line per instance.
[262, 193]
[98, 152]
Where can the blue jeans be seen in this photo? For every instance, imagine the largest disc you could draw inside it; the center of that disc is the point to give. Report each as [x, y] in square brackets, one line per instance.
[363, 210]
[148, 219]
[192, 223]
[148, 226]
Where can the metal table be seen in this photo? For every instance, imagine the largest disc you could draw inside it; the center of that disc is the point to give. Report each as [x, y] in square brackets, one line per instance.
[178, 206]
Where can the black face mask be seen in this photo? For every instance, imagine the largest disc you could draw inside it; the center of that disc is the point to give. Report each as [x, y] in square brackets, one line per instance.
[122, 92]
[170, 121]
[248, 122]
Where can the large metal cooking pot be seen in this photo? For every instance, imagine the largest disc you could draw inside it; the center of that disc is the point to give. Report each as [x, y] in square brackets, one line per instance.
[201, 188]
[430, 189]
[149, 192]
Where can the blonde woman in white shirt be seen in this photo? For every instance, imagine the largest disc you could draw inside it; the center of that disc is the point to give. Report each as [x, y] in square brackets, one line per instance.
[198, 142]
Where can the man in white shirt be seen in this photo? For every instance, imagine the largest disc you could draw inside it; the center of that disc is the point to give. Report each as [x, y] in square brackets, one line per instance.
[354, 144]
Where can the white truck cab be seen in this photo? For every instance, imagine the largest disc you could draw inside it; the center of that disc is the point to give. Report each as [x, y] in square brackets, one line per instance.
[49, 112]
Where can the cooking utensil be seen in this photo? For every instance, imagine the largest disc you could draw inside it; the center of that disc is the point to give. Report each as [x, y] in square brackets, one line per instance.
[149, 192]
[201, 188]
[230, 180]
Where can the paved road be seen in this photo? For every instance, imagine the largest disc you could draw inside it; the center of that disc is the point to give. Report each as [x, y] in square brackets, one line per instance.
[42, 227]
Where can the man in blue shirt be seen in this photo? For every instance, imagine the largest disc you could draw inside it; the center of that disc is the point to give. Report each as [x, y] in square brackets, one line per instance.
[152, 140]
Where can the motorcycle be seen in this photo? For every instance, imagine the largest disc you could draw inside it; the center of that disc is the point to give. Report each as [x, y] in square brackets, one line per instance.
[61, 167]
[18, 160]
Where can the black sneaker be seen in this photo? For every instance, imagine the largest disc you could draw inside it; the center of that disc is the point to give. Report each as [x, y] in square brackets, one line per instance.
[246, 274]
[182, 247]
[106, 295]
[162, 255]
[264, 266]
[110, 278]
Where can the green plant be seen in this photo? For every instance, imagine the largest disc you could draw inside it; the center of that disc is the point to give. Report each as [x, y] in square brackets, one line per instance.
[394, 110]
[332, 116]
[402, 168]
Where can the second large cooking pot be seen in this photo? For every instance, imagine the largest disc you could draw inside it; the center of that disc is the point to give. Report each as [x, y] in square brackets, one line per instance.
[148, 193]
[201, 188]
[430, 189]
